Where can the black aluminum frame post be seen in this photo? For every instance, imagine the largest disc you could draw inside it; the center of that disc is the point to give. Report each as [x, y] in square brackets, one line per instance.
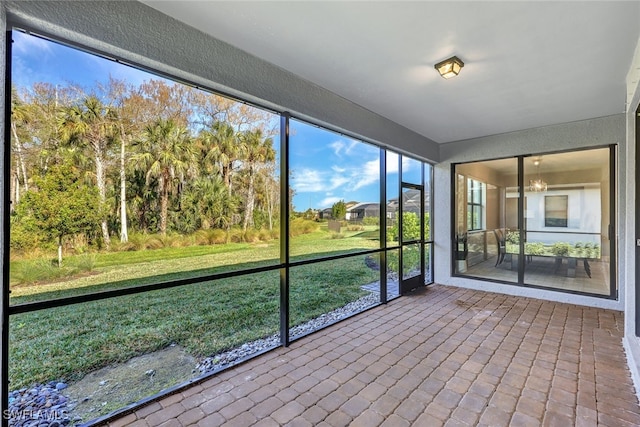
[285, 203]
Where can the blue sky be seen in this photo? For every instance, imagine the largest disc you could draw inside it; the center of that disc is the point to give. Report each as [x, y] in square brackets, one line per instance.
[38, 60]
[326, 166]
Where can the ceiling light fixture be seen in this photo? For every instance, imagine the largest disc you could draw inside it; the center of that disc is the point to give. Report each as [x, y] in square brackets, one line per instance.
[449, 67]
[537, 185]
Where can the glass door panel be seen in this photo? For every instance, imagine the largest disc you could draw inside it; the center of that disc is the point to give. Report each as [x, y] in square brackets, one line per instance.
[486, 234]
[567, 218]
[411, 237]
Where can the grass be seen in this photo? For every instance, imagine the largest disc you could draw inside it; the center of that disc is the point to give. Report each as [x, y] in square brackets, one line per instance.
[205, 318]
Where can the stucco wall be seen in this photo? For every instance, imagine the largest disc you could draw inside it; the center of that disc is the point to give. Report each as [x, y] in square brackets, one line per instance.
[597, 132]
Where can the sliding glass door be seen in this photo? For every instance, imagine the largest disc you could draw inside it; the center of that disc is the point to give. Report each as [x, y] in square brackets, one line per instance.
[486, 220]
[567, 221]
[562, 225]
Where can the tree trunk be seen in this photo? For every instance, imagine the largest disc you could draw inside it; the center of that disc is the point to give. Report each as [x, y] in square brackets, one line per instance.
[124, 234]
[270, 201]
[251, 200]
[22, 166]
[102, 191]
[59, 251]
[164, 205]
[15, 190]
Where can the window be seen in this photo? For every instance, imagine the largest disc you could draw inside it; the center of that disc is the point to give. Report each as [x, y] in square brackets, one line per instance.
[553, 236]
[475, 195]
[555, 211]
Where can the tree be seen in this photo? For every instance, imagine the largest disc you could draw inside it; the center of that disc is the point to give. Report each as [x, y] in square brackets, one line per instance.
[257, 150]
[91, 124]
[222, 149]
[128, 106]
[166, 153]
[61, 204]
[339, 210]
[271, 193]
[221, 152]
[20, 115]
[205, 204]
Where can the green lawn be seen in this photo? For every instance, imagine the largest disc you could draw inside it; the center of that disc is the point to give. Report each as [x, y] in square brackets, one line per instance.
[205, 318]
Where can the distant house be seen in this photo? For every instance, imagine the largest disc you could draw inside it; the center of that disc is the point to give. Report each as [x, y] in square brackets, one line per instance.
[325, 214]
[356, 211]
[363, 210]
[411, 203]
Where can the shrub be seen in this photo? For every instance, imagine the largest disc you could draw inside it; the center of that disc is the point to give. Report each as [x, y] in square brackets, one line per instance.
[355, 227]
[251, 235]
[371, 220]
[213, 236]
[561, 249]
[513, 237]
[411, 227]
[170, 240]
[536, 248]
[264, 235]
[302, 226]
[335, 235]
[84, 262]
[235, 235]
[275, 233]
[42, 270]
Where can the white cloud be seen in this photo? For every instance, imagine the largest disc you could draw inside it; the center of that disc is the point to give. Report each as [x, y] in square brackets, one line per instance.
[338, 181]
[328, 202]
[351, 146]
[392, 162]
[369, 174]
[308, 181]
[337, 146]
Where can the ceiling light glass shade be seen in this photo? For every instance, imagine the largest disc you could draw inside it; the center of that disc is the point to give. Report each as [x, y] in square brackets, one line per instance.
[449, 67]
[537, 185]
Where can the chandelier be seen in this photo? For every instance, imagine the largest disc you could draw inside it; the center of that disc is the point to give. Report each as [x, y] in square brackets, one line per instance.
[537, 185]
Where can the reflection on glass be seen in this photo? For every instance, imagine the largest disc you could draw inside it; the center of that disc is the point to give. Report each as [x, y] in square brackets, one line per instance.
[323, 292]
[567, 220]
[335, 182]
[487, 219]
[411, 261]
[411, 170]
[120, 350]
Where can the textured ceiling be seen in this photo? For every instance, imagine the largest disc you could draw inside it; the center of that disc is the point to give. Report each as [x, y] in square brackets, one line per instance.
[527, 64]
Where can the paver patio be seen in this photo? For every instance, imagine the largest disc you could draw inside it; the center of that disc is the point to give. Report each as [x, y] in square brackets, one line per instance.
[442, 356]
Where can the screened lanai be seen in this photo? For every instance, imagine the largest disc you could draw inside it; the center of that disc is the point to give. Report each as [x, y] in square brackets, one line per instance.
[168, 166]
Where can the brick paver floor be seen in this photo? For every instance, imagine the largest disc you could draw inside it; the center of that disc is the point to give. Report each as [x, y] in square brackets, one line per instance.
[444, 356]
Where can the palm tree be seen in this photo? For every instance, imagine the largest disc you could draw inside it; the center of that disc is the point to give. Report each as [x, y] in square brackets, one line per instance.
[222, 151]
[221, 147]
[166, 153]
[257, 150]
[91, 124]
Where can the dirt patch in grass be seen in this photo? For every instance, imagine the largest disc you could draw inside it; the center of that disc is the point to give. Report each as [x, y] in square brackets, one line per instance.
[116, 386]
